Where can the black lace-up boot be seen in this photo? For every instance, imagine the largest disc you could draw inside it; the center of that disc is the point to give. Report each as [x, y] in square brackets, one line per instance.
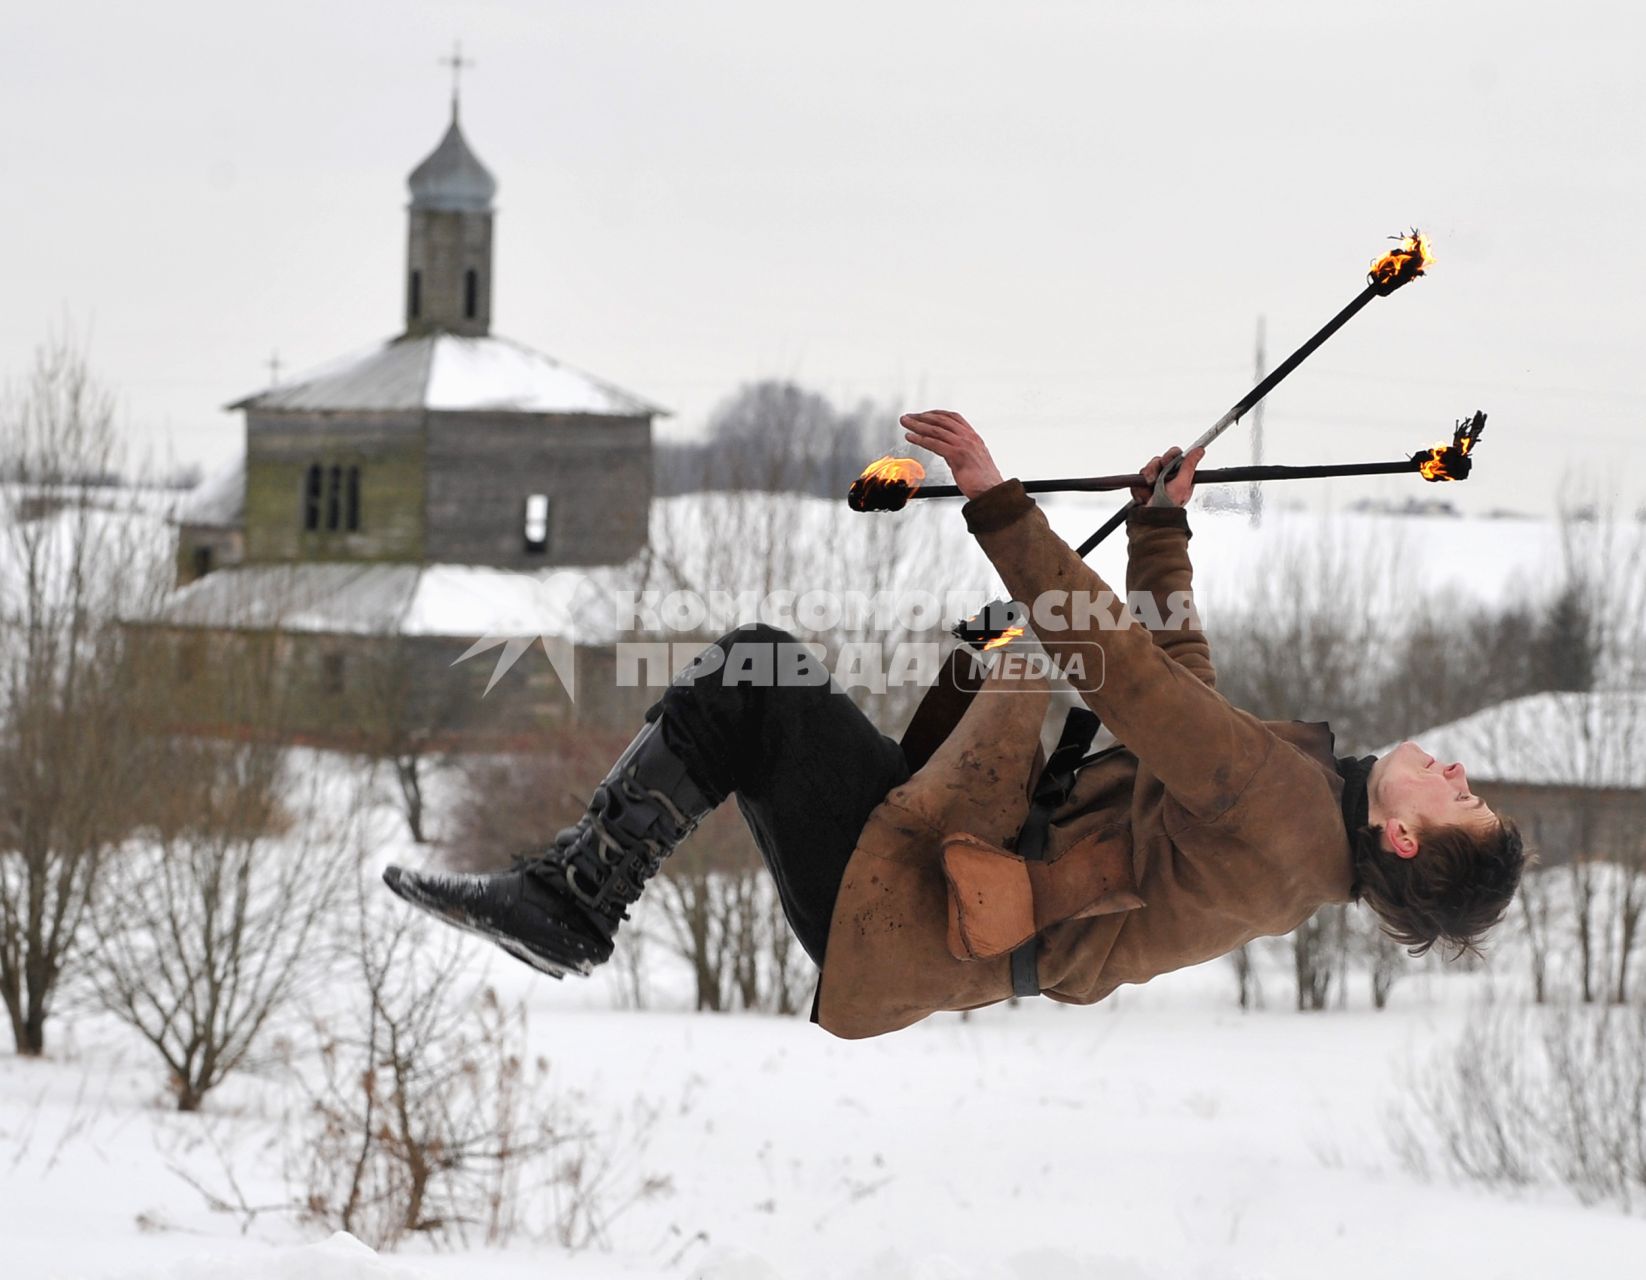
[559, 911]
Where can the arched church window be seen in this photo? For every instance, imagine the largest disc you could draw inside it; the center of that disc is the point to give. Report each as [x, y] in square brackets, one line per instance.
[414, 293]
[471, 293]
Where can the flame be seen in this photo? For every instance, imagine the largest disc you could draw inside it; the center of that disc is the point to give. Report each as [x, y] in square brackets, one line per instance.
[1434, 467]
[1452, 461]
[999, 623]
[1410, 258]
[886, 484]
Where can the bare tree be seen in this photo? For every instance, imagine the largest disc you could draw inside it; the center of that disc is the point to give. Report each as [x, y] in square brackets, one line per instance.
[1385, 959]
[773, 435]
[692, 920]
[404, 720]
[74, 555]
[1606, 588]
[1536, 924]
[1247, 978]
[719, 912]
[1583, 744]
[206, 932]
[1320, 637]
[1313, 635]
[1316, 950]
[1311, 640]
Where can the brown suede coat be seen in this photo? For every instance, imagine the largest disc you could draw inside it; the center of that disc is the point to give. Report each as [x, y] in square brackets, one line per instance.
[1207, 828]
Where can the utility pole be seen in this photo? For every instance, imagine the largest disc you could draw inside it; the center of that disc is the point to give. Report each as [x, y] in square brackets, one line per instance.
[1257, 423]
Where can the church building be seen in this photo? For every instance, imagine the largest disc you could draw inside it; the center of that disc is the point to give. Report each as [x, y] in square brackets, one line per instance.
[396, 504]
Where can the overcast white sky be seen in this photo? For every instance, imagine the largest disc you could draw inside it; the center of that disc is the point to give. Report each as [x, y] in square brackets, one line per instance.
[1061, 219]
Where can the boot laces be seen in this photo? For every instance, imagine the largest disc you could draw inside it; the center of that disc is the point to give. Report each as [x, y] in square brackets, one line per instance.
[621, 867]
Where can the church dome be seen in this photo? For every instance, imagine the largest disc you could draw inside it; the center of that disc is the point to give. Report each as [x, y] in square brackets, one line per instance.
[452, 178]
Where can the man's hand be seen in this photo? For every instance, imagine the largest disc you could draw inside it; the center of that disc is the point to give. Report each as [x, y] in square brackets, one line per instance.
[953, 439]
[1178, 489]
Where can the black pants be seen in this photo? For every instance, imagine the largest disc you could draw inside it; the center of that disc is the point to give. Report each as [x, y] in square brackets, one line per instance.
[762, 719]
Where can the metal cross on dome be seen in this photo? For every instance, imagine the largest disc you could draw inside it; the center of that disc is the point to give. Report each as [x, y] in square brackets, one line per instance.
[456, 62]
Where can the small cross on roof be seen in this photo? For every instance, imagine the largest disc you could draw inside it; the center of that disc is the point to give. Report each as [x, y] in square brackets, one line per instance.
[456, 62]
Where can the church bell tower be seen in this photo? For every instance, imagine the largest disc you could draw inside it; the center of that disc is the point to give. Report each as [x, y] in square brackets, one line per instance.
[449, 239]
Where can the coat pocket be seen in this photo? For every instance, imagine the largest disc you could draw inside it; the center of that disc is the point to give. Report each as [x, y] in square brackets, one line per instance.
[998, 900]
[991, 902]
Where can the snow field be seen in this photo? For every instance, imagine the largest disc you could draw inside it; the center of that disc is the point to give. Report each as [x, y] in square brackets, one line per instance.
[1163, 1135]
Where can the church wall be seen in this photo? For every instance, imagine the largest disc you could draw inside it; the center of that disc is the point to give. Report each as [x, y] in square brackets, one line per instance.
[370, 693]
[596, 472]
[203, 549]
[386, 447]
[1561, 823]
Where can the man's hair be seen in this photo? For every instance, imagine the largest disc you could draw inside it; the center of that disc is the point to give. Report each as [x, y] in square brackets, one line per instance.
[1458, 886]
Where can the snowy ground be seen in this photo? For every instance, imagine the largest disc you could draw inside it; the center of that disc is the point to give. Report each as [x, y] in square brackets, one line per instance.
[1164, 1134]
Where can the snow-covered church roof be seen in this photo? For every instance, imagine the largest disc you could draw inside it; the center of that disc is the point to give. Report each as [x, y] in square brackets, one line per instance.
[1591, 740]
[451, 600]
[218, 501]
[447, 371]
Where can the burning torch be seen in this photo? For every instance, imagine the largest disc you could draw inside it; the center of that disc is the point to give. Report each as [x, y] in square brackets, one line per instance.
[1409, 259]
[890, 484]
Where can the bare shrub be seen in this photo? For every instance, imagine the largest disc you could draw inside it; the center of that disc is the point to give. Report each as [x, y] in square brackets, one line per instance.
[205, 931]
[510, 805]
[1536, 1095]
[426, 1117]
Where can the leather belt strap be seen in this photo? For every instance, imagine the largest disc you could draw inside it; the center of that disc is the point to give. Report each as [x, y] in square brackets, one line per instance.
[1026, 969]
[1051, 789]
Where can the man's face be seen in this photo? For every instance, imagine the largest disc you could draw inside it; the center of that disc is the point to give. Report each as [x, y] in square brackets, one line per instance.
[1409, 788]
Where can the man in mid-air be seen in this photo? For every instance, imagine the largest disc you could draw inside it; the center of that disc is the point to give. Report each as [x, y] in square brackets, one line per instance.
[957, 870]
